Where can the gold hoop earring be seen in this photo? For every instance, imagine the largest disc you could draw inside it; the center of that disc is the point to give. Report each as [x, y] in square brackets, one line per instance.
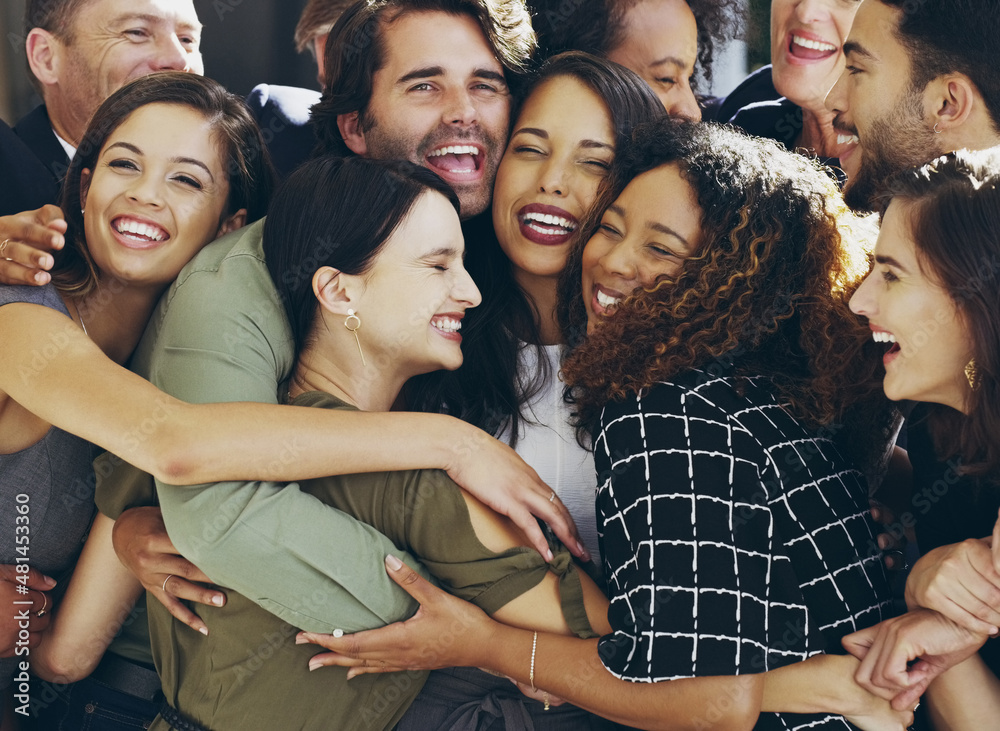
[971, 375]
[356, 324]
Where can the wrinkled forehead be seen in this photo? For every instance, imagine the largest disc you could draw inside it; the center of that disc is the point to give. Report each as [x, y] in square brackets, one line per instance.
[178, 13]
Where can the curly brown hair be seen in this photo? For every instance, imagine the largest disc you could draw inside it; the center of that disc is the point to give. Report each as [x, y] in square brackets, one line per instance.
[766, 294]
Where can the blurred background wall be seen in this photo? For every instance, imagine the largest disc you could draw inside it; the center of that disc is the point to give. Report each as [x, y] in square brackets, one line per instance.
[247, 42]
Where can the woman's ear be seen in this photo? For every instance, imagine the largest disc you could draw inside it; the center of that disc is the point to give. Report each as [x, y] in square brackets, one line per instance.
[236, 221]
[333, 290]
[84, 187]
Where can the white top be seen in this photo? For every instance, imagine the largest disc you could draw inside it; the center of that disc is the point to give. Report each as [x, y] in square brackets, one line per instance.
[549, 445]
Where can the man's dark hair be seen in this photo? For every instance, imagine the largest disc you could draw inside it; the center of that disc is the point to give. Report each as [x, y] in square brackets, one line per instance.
[949, 36]
[598, 26]
[354, 52]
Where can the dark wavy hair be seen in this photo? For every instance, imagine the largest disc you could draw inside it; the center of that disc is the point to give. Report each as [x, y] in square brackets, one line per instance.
[337, 212]
[244, 157]
[949, 36]
[355, 51]
[766, 294]
[488, 390]
[598, 26]
[952, 209]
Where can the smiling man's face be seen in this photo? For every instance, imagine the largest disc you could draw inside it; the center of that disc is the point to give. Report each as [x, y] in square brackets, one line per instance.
[439, 100]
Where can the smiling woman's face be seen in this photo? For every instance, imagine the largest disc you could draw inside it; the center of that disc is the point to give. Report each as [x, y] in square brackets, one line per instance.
[927, 343]
[156, 196]
[807, 41]
[560, 150]
[646, 234]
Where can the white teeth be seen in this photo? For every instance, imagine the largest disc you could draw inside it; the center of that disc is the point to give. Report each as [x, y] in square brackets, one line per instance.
[550, 220]
[605, 301]
[448, 325]
[881, 336]
[814, 45]
[847, 139]
[454, 150]
[140, 229]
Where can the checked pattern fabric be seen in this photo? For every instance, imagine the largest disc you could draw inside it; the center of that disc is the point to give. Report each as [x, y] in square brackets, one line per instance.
[735, 539]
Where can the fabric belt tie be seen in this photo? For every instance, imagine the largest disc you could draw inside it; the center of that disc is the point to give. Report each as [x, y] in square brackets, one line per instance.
[481, 712]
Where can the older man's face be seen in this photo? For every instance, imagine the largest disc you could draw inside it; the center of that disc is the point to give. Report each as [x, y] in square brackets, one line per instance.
[113, 42]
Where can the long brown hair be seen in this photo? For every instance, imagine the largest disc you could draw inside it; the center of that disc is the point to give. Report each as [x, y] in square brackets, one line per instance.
[766, 294]
[953, 214]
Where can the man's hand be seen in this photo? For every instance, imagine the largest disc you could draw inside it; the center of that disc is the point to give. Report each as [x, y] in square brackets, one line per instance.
[27, 241]
[33, 589]
[143, 546]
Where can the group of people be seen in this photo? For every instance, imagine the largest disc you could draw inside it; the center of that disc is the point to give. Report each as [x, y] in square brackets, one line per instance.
[276, 447]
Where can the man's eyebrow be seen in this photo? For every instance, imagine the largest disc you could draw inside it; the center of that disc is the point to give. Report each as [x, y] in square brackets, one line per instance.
[889, 261]
[152, 20]
[423, 73]
[853, 48]
[428, 72]
[188, 160]
[489, 74]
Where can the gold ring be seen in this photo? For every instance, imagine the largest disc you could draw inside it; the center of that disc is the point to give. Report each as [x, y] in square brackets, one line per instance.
[45, 605]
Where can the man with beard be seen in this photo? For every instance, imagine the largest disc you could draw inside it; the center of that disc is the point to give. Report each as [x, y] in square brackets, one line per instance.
[922, 80]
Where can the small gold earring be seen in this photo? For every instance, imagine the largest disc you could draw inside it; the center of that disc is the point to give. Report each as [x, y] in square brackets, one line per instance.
[971, 375]
[356, 324]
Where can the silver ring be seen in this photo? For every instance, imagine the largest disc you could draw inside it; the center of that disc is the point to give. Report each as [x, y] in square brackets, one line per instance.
[164, 587]
[3, 248]
[552, 497]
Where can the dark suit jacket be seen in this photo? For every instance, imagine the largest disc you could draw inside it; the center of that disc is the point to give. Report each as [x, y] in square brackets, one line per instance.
[32, 164]
[283, 115]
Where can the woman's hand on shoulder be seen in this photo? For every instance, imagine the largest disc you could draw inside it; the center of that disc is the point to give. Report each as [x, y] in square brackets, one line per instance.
[495, 475]
[143, 546]
[27, 241]
[445, 632]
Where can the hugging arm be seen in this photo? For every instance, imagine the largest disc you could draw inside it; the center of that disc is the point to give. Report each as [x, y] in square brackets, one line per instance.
[652, 615]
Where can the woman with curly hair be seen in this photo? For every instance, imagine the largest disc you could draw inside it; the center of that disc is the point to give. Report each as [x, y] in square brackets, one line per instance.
[736, 536]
